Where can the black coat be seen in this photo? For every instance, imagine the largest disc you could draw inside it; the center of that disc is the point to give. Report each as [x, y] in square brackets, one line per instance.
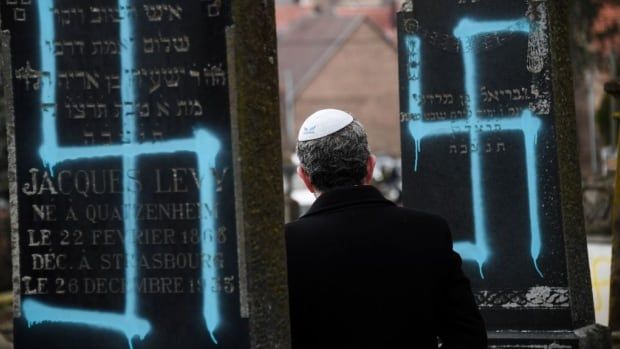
[364, 273]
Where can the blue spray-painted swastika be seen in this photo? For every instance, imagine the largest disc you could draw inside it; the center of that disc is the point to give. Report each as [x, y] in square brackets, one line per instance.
[204, 144]
[477, 250]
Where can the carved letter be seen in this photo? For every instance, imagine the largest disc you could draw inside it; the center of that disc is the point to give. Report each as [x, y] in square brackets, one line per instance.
[172, 76]
[107, 135]
[91, 80]
[145, 110]
[195, 74]
[59, 48]
[174, 11]
[155, 77]
[196, 108]
[89, 137]
[97, 47]
[181, 108]
[165, 41]
[66, 78]
[95, 15]
[463, 148]
[148, 45]
[154, 12]
[181, 44]
[163, 109]
[113, 82]
[213, 9]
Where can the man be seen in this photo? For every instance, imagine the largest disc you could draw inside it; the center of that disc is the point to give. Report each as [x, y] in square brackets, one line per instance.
[364, 273]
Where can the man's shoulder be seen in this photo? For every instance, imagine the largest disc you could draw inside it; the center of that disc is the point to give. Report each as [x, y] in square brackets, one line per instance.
[390, 215]
[419, 216]
[413, 232]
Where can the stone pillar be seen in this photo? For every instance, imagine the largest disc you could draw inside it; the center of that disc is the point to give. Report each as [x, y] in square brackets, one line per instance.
[252, 44]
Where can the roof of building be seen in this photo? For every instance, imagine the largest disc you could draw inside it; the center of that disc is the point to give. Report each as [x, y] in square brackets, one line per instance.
[383, 17]
[287, 14]
[309, 44]
[309, 47]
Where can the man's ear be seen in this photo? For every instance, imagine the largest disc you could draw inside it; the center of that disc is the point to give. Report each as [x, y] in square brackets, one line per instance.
[370, 168]
[303, 175]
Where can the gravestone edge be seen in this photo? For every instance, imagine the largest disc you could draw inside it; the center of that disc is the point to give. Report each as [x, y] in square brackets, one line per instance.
[256, 134]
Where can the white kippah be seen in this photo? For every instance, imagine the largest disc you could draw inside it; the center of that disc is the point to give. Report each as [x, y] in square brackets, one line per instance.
[323, 123]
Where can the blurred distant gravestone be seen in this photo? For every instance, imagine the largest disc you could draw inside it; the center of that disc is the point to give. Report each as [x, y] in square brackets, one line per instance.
[489, 142]
[138, 215]
[613, 88]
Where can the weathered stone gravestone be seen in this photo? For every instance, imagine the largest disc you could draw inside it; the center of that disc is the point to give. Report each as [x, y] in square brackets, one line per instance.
[613, 88]
[144, 146]
[488, 139]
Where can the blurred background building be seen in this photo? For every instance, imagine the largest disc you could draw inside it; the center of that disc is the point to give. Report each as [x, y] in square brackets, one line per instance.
[340, 54]
[596, 45]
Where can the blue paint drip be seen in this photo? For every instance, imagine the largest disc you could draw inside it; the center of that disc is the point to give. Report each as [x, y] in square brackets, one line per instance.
[48, 69]
[415, 91]
[473, 125]
[480, 220]
[205, 141]
[39, 313]
[130, 192]
[470, 28]
[531, 127]
[203, 144]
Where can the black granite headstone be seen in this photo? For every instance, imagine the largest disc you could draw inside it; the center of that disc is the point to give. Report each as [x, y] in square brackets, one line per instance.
[125, 229]
[480, 123]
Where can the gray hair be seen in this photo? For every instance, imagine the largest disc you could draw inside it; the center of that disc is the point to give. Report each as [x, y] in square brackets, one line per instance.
[336, 160]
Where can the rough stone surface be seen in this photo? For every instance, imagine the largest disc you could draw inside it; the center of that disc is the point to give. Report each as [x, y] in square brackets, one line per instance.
[582, 308]
[5, 64]
[569, 175]
[594, 337]
[255, 114]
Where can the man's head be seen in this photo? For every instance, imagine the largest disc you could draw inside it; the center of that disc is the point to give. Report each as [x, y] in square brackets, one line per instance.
[333, 151]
